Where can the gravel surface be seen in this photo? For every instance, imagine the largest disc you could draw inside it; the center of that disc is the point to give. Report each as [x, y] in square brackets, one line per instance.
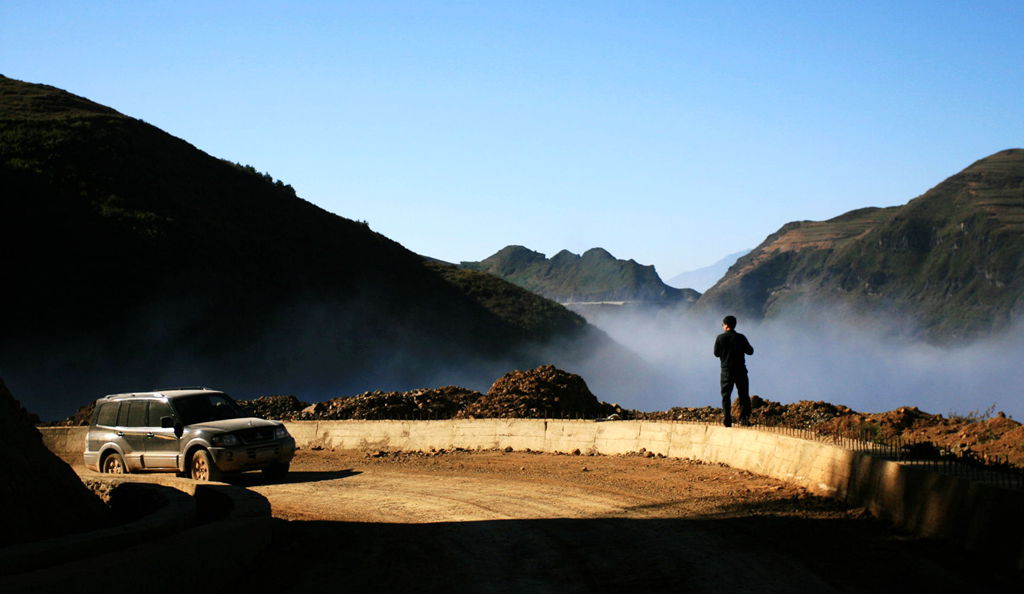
[516, 522]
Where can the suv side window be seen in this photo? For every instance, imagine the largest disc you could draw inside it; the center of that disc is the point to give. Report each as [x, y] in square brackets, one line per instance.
[137, 413]
[107, 414]
[157, 409]
[122, 414]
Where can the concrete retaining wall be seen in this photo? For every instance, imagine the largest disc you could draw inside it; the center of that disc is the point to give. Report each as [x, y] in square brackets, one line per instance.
[822, 468]
[980, 517]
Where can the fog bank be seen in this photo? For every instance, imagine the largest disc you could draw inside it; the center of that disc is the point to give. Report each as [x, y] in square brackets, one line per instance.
[659, 359]
[868, 364]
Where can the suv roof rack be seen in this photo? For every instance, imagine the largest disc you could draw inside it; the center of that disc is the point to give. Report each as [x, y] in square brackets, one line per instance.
[184, 388]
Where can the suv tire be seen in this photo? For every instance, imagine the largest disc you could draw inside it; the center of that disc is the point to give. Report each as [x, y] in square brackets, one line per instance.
[202, 468]
[113, 463]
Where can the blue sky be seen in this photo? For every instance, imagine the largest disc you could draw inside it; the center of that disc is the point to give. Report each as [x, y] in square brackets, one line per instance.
[672, 133]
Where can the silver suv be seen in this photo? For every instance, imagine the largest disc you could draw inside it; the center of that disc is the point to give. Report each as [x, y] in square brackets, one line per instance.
[196, 432]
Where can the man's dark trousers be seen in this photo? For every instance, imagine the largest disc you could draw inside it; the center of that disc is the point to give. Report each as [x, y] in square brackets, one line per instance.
[737, 377]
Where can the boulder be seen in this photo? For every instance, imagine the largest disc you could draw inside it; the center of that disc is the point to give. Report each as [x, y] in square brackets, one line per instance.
[40, 495]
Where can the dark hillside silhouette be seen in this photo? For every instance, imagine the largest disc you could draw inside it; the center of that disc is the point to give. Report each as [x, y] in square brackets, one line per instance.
[131, 258]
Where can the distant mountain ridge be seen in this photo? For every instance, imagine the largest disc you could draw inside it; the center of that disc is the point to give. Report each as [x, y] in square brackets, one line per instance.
[594, 276]
[950, 261]
[705, 277]
[132, 259]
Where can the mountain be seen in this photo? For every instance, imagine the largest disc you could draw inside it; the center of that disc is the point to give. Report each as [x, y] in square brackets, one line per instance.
[701, 279]
[132, 260]
[949, 262]
[596, 276]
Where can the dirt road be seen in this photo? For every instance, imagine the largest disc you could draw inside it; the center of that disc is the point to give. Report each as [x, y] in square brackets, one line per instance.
[527, 522]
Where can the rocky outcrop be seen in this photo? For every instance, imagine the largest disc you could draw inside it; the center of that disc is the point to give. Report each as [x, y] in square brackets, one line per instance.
[594, 276]
[950, 262]
[40, 495]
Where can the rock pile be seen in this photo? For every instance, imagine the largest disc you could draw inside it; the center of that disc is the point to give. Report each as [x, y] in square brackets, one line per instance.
[799, 415]
[537, 393]
[702, 414]
[886, 425]
[40, 495]
[283, 408]
[544, 392]
[423, 403]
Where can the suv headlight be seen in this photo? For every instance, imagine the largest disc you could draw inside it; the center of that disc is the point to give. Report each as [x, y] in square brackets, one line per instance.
[280, 432]
[224, 440]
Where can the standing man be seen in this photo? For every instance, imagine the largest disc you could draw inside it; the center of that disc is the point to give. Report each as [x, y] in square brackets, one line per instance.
[730, 348]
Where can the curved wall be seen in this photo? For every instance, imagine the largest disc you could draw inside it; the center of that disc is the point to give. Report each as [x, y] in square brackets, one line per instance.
[978, 516]
[807, 463]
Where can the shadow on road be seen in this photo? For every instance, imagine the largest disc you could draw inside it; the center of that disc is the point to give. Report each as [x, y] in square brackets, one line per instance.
[755, 553]
[251, 479]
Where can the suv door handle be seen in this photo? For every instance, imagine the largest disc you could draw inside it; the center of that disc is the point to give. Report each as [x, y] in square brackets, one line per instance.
[120, 433]
[149, 434]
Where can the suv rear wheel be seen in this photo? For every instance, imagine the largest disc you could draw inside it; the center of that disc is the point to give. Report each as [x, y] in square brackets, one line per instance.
[202, 467]
[113, 463]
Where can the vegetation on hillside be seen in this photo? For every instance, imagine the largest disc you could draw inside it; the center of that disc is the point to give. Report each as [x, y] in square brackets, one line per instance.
[950, 261]
[131, 258]
[593, 277]
[538, 319]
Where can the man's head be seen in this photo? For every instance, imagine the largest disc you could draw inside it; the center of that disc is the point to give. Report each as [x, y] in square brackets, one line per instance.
[729, 322]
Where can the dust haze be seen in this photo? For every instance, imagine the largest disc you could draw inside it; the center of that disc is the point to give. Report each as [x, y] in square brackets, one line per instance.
[870, 364]
[654, 360]
[312, 349]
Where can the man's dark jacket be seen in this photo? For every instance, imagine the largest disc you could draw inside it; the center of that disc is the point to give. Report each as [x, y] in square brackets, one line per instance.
[730, 348]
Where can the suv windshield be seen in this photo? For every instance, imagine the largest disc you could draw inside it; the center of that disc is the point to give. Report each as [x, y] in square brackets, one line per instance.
[206, 407]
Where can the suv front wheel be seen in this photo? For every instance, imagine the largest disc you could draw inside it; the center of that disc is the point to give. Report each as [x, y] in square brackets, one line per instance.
[202, 467]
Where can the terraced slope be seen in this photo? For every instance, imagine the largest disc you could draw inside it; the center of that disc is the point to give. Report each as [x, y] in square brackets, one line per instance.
[950, 262]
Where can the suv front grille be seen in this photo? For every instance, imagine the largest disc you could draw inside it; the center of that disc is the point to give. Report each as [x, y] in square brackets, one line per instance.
[256, 435]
